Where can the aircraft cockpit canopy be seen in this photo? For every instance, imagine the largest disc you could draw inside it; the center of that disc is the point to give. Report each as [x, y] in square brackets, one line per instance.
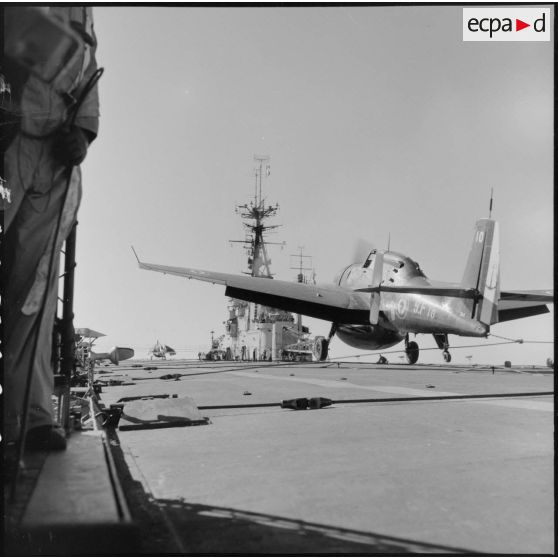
[403, 264]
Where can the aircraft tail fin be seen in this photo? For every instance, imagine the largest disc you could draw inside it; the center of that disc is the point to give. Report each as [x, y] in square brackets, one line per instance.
[482, 271]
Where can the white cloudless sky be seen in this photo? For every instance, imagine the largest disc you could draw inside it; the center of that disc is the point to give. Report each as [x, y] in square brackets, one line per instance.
[378, 120]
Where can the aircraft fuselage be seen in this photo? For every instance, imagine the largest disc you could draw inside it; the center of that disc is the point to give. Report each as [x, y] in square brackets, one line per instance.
[402, 313]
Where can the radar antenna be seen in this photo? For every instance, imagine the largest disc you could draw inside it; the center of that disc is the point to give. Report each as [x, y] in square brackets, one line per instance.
[301, 277]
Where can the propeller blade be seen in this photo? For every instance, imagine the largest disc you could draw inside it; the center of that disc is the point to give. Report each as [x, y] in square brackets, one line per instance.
[361, 250]
[377, 273]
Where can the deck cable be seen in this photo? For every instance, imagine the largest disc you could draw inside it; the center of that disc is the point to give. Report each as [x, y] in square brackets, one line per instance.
[250, 365]
[390, 399]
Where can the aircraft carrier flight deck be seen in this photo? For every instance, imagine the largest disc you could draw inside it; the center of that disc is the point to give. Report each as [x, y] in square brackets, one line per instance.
[392, 459]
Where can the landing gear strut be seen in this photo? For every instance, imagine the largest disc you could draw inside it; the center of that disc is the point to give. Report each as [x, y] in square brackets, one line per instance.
[443, 343]
[411, 350]
[321, 344]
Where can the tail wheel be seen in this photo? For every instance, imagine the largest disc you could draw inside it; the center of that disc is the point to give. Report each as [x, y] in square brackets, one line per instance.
[412, 352]
[447, 356]
[320, 348]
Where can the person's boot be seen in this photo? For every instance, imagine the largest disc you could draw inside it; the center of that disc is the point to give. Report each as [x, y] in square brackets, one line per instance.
[9, 462]
[46, 438]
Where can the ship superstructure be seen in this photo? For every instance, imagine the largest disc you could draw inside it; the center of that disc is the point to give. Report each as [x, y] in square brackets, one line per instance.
[253, 331]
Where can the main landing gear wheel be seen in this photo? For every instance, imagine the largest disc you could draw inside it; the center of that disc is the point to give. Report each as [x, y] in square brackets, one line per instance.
[320, 348]
[447, 356]
[412, 352]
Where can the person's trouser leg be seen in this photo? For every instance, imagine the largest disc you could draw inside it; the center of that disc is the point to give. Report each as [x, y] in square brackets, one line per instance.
[29, 242]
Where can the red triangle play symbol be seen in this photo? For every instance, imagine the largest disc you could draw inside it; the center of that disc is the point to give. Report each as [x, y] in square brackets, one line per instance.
[519, 25]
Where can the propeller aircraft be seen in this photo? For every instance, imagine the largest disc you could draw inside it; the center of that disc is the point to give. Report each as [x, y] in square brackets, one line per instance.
[161, 351]
[377, 303]
[85, 338]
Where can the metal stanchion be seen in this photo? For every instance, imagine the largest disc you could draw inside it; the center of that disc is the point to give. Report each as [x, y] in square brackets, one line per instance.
[67, 333]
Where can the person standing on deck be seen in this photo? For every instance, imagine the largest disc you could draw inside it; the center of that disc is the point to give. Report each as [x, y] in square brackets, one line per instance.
[57, 122]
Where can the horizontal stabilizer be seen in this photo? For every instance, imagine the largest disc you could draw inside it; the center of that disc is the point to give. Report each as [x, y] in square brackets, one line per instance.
[534, 296]
[434, 291]
[514, 305]
[516, 313]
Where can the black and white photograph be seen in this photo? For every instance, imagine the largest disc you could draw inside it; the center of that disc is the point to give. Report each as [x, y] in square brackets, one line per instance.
[277, 279]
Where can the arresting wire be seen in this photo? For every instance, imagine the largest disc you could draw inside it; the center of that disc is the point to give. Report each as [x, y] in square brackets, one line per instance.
[508, 341]
[225, 367]
[391, 399]
[476, 345]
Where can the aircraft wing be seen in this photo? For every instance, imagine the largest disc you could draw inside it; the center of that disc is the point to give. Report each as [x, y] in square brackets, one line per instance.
[329, 303]
[522, 304]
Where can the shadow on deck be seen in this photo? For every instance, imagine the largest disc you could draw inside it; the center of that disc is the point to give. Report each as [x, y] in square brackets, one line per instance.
[214, 530]
[178, 527]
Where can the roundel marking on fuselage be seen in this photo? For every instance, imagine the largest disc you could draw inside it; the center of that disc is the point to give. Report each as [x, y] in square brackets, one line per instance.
[402, 307]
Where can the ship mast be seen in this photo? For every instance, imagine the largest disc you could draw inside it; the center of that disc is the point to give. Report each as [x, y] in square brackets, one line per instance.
[254, 214]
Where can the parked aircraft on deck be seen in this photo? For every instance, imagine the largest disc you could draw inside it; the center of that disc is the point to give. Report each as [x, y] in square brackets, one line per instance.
[161, 351]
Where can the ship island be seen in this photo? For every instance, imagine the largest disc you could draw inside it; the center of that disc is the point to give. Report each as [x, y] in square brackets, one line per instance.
[253, 331]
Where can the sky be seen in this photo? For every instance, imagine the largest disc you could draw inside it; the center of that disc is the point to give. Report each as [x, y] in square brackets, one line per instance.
[379, 121]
